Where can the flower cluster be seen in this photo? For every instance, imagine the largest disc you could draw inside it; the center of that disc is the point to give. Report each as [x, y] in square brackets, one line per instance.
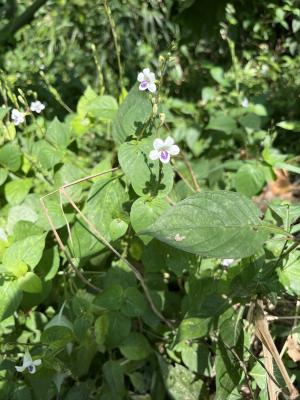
[18, 117]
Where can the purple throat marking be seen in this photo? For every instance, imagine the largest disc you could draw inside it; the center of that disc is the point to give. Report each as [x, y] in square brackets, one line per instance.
[144, 84]
[164, 154]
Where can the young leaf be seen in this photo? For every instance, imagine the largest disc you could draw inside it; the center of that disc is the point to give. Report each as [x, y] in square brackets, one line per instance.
[212, 224]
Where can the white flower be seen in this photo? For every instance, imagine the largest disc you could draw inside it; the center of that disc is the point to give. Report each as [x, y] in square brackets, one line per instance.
[227, 262]
[147, 79]
[29, 363]
[163, 150]
[17, 117]
[37, 106]
[245, 103]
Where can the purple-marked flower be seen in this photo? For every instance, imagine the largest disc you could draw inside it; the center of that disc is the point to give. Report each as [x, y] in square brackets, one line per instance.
[17, 117]
[227, 262]
[28, 363]
[37, 106]
[163, 150]
[147, 80]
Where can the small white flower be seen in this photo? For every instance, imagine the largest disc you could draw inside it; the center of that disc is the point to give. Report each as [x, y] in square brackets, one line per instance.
[245, 103]
[37, 106]
[227, 262]
[163, 150]
[29, 363]
[147, 80]
[17, 117]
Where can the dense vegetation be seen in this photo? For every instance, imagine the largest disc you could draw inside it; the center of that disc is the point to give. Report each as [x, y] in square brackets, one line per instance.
[132, 265]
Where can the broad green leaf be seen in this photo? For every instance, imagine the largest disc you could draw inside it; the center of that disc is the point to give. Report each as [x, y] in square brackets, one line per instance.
[146, 176]
[110, 299]
[23, 229]
[66, 174]
[18, 268]
[251, 122]
[101, 330]
[103, 107]
[16, 190]
[60, 320]
[180, 382]
[58, 134]
[57, 337]
[118, 329]
[289, 274]
[117, 228]
[289, 125]
[3, 175]
[20, 213]
[11, 297]
[30, 283]
[132, 115]
[134, 303]
[250, 179]
[46, 154]
[222, 122]
[193, 328]
[212, 224]
[49, 264]
[145, 211]
[106, 202]
[29, 250]
[10, 157]
[195, 357]
[113, 375]
[135, 347]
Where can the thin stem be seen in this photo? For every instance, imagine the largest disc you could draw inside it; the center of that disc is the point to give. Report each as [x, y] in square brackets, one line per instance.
[115, 39]
[133, 268]
[190, 169]
[65, 251]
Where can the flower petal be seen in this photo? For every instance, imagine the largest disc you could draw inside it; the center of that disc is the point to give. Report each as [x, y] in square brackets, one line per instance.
[152, 87]
[140, 77]
[158, 144]
[174, 150]
[27, 358]
[143, 86]
[20, 369]
[164, 157]
[146, 72]
[169, 141]
[154, 155]
[37, 362]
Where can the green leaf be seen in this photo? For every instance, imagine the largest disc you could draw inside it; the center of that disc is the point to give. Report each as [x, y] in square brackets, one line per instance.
[117, 228]
[49, 264]
[66, 174]
[57, 337]
[113, 375]
[193, 328]
[289, 125]
[110, 299]
[101, 330]
[146, 176]
[3, 175]
[145, 211]
[250, 179]
[212, 224]
[11, 297]
[16, 190]
[132, 115]
[251, 122]
[135, 347]
[46, 154]
[289, 274]
[29, 250]
[10, 157]
[180, 382]
[58, 134]
[222, 122]
[118, 329]
[30, 283]
[18, 268]
[103, 107]
[134, 303]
